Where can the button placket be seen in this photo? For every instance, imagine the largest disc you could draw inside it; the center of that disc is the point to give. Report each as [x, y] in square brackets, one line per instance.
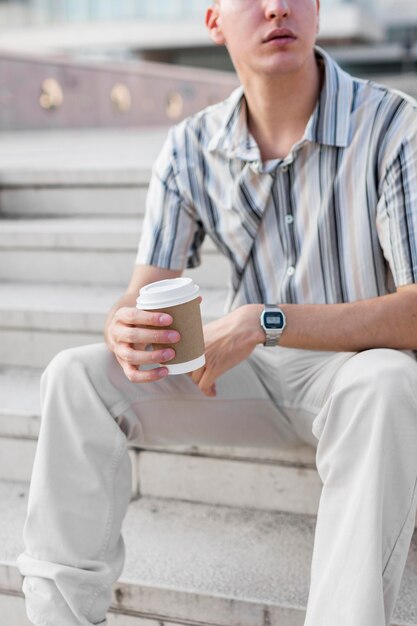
[288, 224]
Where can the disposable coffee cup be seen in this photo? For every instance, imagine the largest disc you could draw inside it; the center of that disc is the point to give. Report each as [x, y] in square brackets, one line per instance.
[179, 298]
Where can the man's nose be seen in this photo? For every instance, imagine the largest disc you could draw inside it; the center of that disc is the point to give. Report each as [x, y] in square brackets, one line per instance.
[276, 9]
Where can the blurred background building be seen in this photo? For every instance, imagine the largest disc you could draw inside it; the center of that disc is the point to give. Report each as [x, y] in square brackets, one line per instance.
[370, 38]
[173, 30]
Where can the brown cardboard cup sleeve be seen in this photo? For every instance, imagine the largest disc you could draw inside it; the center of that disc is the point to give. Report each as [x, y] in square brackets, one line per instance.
[190, 349]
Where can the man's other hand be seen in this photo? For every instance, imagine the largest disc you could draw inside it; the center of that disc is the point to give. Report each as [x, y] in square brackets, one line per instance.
[228, 341]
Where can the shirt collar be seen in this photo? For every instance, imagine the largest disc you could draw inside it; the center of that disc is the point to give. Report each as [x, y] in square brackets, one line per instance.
[329, 123]
[331, 120]
[233, 136]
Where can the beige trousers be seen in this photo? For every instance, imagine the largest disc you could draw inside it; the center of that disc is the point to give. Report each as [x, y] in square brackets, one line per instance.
[358, 410]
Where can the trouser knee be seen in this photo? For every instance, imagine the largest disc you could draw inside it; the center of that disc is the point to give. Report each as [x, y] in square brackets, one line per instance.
[368, 426]
[386, 373]
[76, 384]
[377, 389]
[72, 361]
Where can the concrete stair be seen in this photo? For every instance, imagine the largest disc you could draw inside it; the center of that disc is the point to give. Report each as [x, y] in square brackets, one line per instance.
[88, 251]
[225, 533]
[197, 564]
[41, 319]
[72, 173]
[265, 479]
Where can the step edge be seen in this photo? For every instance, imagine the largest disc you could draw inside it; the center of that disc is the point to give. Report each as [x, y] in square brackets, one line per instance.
[122, 584]
[128, 585]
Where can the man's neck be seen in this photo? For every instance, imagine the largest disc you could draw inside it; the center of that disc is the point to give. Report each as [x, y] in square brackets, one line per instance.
[279, 108]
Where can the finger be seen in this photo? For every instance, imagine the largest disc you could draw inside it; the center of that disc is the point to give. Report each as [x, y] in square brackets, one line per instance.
[138, 317]
[211, 392]
[142, 357]
[206, 382]
[138, 335]
[144, 376]
[197, 374]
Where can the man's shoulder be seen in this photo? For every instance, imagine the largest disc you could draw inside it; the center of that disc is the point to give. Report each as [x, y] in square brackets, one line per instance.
[386, 102]
[390, 115]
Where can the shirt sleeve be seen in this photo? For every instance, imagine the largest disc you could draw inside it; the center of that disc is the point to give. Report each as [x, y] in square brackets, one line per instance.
[397, 214]
[172, 232]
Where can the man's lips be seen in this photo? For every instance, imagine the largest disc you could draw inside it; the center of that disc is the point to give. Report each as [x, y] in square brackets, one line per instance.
[280, 34]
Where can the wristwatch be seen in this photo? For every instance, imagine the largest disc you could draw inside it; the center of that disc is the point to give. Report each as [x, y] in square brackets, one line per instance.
[273, 322]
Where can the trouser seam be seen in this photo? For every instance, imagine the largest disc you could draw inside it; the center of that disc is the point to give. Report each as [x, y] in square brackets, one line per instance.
[42, 622]
[116, 460]
[190, 398]
[300, 407]
[119, 408]
[410, 510]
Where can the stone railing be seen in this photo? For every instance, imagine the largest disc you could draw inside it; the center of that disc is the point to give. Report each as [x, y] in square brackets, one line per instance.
[47, 92]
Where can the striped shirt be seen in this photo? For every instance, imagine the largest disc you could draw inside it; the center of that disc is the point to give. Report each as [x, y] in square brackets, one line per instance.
[333, 221]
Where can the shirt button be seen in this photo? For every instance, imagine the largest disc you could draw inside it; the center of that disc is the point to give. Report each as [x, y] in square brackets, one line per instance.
[289, 219]
[291, 270]
[284, 168]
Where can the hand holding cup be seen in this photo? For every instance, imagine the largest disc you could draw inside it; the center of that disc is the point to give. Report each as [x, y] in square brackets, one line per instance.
[178, 298]
[131, 331]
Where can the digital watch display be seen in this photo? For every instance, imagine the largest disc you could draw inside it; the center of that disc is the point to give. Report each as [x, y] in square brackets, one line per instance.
[273, 322]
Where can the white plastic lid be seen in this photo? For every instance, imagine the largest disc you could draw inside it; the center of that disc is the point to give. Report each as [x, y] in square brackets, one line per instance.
[165, 293]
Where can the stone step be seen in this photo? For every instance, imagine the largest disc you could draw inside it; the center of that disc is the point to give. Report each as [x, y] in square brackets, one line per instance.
[288, 477]
[63, 199]
[255, 478]
[88, 172]
[195, 564]
[92, 251]
[39, 320]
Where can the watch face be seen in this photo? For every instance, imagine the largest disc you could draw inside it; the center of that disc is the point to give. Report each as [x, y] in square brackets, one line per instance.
[273, 320]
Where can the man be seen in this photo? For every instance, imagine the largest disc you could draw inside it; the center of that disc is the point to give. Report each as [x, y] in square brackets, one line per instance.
[306, 179]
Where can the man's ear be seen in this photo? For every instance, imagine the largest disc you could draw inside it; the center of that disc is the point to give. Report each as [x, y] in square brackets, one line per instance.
[213, 24]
